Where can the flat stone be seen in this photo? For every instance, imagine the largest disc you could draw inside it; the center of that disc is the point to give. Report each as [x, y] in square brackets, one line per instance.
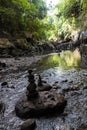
[29, 124]
[46, 103]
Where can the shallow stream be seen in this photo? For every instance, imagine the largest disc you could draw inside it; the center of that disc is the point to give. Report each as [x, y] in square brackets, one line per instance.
[69, 81]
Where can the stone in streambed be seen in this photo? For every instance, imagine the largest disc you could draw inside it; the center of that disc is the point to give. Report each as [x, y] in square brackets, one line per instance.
[43, 86]
[29, 124]
[47, 103]
[2, 107]
[4, 83]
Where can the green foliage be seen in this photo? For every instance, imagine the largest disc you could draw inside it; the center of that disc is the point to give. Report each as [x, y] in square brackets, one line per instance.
[10, 16]
[22, 15]
[31, 16]
[71, 8]
[84, 5]
[71, 15]
[41, 7]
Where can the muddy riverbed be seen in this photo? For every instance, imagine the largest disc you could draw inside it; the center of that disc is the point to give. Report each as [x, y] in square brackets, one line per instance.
[72, 83]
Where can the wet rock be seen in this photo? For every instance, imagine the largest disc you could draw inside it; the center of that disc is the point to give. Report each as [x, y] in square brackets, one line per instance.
[2, 64]
[2, 107]
[46, 104]
[4, 84]
[29, 124]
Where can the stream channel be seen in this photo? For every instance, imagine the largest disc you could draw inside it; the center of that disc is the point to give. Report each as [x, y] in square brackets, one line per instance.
[70, 81]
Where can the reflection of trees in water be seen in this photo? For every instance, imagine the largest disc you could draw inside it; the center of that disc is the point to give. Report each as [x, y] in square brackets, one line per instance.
[70, 58]
[66, 59]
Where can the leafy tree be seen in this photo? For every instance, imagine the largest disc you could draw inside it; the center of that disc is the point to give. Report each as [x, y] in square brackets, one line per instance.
[23, 15]
[71, 15]
[10, 15]
[41, 6]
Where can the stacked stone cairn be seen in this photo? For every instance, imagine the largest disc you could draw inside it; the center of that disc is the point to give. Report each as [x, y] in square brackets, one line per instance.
[39, 103]
[31, 89]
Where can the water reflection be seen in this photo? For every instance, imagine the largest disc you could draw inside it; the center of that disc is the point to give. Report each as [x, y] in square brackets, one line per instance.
[66, 60]
[69, 58]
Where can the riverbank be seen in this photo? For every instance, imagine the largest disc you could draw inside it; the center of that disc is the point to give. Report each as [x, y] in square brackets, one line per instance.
[71, 83]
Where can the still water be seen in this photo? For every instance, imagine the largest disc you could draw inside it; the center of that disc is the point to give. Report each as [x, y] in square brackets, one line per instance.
[64, 60]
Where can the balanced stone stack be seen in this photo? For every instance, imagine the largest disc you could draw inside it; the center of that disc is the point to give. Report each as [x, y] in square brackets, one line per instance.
[31, 89]
[39, 103]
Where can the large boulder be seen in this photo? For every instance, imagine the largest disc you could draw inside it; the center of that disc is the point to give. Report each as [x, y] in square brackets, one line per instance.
[46, 104]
